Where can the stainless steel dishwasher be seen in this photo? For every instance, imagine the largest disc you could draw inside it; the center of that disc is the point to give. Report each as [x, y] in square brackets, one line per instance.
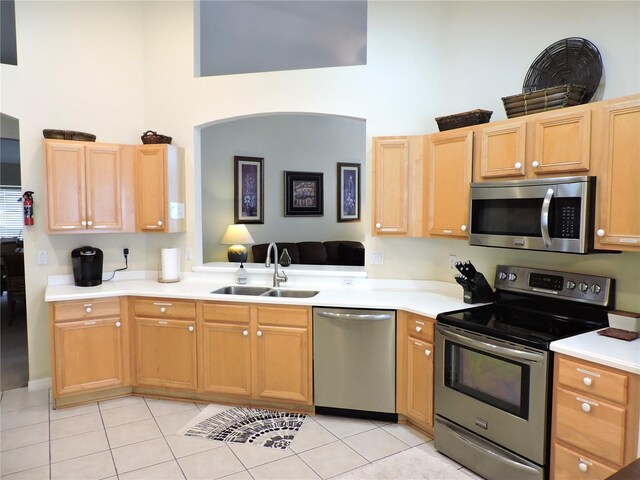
[354, 367]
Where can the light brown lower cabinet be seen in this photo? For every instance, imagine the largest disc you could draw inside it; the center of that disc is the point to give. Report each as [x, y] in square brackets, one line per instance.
[415, 370]
[165, 344]
[256, 351]
[594, 419]
[89, 347]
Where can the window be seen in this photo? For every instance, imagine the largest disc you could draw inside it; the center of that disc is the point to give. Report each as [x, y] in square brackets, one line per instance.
[11, 222]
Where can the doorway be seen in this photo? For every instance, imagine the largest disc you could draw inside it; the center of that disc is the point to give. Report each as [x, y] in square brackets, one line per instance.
[14, 359]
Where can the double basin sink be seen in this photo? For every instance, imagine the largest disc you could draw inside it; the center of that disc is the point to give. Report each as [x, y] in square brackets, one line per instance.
[265, 292]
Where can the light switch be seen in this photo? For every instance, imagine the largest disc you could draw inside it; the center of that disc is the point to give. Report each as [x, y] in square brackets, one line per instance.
[43, 258]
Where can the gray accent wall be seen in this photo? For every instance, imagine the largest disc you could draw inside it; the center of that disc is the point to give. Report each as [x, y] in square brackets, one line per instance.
[262, 36]
[287, 142]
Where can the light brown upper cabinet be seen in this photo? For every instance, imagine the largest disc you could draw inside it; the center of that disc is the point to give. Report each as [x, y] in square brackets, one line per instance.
[159, 188]
[544, 144]
[449, 158]
[616, 147]
[397, 186]
[89, 187]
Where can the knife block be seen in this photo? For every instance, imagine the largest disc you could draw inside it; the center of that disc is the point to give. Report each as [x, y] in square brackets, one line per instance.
[479, 292]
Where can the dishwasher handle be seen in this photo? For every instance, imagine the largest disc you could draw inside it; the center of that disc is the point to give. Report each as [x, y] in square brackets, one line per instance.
[354, 316]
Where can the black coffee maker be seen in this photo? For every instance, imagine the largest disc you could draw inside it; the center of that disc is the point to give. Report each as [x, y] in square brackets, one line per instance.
[87, 266]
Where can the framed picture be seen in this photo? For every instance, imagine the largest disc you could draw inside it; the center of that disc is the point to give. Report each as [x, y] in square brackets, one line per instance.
[303, 194]
[348, 192]
[248, 177]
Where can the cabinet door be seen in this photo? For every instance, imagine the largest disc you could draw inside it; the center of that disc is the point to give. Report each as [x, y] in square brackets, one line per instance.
[227, 358]
[420, 381]
[502, 150]
[151, 190]
[391, 177]
[104, 190]
[618, 199]
[569, 465]
[65, 171]
[449, 162]
[89, 355]
[166, 353]
[283, 364]
[562, 142]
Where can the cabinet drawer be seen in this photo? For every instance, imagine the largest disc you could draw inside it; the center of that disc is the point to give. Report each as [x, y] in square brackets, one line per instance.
[86, 309]
[420, 328]
[165, 309]
[226, 313]
[279, 316]
[569, 465]
[593, 426]
[593, 380]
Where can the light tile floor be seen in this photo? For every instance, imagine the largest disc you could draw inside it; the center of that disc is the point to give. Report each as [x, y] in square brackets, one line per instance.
[134, 438]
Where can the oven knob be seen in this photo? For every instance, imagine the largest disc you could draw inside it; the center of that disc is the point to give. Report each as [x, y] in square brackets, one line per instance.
[571, 284]
[595, 288]
[502, 275]
[512, 277]
[583, 287]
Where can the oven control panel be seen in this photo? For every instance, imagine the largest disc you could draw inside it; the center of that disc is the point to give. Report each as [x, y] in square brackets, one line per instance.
[574, 286]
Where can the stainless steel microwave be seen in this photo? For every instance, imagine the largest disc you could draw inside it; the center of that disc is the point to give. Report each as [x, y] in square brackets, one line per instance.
[553, 214]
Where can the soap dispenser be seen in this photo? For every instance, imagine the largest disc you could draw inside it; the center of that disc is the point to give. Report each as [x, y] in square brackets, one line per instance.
[242, 275]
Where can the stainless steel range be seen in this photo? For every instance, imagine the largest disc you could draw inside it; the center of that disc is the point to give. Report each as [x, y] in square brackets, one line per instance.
[493, 368]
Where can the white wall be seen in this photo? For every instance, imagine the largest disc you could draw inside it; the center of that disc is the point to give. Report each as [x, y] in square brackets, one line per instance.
[117, 69]
[287, 142]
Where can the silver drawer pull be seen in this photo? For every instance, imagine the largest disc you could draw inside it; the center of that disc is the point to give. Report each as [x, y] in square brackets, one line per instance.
[418, 329]
[89, 323]
[162, 322]
[88, 310]
[427, 352]
[163, 303]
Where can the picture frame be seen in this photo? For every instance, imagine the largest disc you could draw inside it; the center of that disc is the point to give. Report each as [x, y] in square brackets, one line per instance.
[348, 205]
[248, 191]
[303, 195]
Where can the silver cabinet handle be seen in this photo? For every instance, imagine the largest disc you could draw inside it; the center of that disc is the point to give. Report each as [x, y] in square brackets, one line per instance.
[245, 332]
[587, 381]
[544, 217]
[448, 232]
[518, 165]
[259, 333]
[378, 225]
[600, 232]
[427, 352]
[463, 228]
[118, 324]
[83, 223]
[89, 223]
[418, 329]
[159, 223]
[88, 310]
[89, 323]
[162, 309]
[535, 164]
[583, 467]
[354, 316]
[191, 328]
[586, 407]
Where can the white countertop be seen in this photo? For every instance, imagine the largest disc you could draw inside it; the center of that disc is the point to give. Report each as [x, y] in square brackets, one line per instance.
[603, 350]
[417, 296]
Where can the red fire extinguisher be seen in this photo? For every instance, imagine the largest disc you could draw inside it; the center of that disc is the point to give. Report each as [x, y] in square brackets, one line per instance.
[27, 206]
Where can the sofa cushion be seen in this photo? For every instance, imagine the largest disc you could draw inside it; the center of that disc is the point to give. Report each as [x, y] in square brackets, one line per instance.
[333, 251]
[312, 253]
[349, 255]
[260, 252]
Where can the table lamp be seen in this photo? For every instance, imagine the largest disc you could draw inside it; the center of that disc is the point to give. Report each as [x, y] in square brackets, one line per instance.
[236, 236]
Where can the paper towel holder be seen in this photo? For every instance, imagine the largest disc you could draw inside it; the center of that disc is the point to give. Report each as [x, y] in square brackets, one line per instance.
[165, 264]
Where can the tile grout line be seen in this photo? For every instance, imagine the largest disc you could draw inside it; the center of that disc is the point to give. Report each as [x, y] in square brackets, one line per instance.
[49, 429]
[113, 460]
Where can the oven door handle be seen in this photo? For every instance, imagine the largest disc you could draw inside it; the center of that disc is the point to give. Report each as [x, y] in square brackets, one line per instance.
[544, 217]
[496, 349]
[485, 447]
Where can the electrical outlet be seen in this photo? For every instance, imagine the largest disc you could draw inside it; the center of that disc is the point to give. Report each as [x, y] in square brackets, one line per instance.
[346, 280]
[188, 253]
[452, 261]
[43, 257]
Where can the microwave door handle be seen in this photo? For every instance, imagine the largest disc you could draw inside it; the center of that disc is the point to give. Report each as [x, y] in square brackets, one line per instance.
[544, 217]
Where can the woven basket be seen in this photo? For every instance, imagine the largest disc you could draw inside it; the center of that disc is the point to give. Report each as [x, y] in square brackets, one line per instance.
[68, 135]
[152, 137]
[464, 119]
[570, 60]
[543, 100]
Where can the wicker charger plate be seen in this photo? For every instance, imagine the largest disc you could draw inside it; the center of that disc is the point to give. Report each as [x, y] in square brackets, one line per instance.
[570, 60]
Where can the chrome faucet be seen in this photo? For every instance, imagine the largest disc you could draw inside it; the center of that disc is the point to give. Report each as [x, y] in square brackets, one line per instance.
[277, 277]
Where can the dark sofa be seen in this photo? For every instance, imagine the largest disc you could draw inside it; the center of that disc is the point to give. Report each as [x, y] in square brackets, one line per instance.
[337, 252]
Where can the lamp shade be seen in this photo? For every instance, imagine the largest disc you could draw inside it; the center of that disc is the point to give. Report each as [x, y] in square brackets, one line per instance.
[236, 236]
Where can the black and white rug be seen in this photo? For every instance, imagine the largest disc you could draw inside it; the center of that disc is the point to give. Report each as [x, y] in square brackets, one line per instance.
[251, 426]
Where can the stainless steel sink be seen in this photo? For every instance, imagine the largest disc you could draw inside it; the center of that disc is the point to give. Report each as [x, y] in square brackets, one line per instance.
[290, 293]
[242, 290]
